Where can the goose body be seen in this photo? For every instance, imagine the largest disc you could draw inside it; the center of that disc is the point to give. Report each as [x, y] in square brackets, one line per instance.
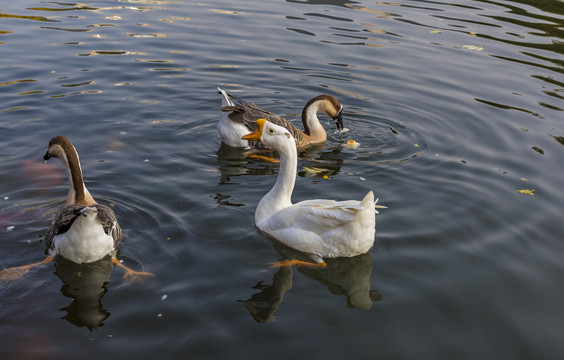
[238, 118]
[320, 228]
[83, 231]
[83, 234]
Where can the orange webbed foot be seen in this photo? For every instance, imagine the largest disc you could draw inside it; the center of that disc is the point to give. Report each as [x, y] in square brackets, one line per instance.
[132, 275]
[136, 276]
[261, 157]
[14, 273]
[17, 272]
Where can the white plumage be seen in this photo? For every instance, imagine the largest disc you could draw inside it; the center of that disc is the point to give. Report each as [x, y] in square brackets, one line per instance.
[230, 131]
[85, 241]
[320, 228]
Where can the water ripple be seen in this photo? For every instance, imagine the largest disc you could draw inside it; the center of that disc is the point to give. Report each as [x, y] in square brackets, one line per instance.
[65, 29]
[37, 18]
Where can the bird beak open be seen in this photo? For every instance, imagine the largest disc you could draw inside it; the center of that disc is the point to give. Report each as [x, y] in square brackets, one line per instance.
[339, 120]
[255, 135]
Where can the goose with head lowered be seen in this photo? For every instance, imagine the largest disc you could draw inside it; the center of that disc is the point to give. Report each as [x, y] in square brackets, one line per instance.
[83, 231]
[319, 228]
[238, 118]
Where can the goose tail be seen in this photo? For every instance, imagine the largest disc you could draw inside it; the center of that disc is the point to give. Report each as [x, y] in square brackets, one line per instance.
[226, 101]
[369, 201]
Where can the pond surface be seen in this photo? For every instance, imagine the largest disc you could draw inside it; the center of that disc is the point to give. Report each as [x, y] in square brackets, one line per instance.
[459, 114]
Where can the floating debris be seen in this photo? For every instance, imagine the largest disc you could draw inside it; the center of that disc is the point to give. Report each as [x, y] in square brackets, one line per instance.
[351, 144]
[472, 47]
[314, 170]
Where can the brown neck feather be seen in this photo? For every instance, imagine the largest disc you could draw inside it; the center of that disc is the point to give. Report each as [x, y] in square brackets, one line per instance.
[76, 173]
[81, 195]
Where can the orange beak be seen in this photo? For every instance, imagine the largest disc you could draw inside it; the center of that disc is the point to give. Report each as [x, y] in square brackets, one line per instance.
[255, 135]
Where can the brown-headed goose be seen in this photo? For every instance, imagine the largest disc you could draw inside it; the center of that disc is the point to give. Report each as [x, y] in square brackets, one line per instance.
[239, 119]
[83, 231]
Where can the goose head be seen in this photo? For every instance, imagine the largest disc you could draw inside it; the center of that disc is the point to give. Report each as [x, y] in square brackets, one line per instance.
[59, 147]
[270, 134]
[329, 105]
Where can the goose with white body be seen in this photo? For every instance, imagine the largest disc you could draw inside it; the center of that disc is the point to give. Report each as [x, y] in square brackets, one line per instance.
[319, 228]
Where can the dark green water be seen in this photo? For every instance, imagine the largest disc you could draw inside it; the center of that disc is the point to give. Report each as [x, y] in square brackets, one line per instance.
[456, 106]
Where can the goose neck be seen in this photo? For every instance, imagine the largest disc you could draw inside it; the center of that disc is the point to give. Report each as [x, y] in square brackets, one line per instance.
[311, 123]
[78, 194]
[280, 196]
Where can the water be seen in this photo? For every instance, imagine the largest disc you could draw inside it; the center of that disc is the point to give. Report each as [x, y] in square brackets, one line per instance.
[457, 107]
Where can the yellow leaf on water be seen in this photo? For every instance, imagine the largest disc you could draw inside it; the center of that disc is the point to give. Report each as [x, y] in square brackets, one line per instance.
[314, 170]
[527, 191]
[326, 177]
[436, 31]
[473, 33]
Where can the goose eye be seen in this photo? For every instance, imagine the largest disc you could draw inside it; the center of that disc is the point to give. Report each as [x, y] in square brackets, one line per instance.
[270, 131]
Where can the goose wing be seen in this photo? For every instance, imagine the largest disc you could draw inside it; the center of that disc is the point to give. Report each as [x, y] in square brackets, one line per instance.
[66, 217]
[317, 216]
[320, 227]
[248, 114]
[313, 227]
[62, 222]
[109, 221]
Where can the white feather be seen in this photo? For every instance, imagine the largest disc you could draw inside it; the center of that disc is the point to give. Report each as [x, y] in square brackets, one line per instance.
[326, 228]
[230, 131]
[85, 241]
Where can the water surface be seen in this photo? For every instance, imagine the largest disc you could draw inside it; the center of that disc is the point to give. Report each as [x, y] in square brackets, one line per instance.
[458, 111]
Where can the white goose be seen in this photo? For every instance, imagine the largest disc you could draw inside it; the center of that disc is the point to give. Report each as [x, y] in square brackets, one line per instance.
[320, 228]
[239, 119]
[83, 231]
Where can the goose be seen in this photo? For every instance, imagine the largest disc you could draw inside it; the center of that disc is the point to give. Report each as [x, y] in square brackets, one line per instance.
[83, 231]
[239, 119]
[319, 228]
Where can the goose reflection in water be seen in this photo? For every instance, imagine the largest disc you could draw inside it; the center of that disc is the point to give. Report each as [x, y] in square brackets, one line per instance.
[234, 162]
[86, 285]
[342, 276]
